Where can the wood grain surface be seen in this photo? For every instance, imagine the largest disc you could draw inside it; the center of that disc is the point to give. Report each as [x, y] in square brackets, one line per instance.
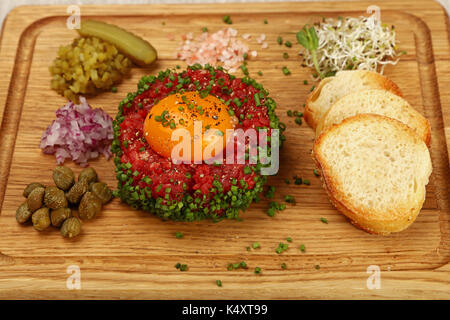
[131, 254]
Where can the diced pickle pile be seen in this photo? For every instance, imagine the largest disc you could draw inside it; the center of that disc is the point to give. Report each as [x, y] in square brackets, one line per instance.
[86, 67]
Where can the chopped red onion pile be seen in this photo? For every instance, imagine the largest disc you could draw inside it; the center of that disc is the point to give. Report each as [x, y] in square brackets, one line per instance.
[79, 132]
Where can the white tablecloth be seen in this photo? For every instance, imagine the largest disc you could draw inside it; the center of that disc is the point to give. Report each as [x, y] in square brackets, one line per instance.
[7, 5]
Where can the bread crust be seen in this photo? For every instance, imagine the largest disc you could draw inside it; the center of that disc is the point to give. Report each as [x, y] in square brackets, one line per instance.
[378, 81]
[395, 220]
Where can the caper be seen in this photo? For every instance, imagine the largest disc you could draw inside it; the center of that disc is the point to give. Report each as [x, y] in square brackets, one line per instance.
[101, 191]
[41, 219]
[71, 227]
[35, 199]
[31, 187]
[54, 198]
[90, 206]
[23, 213]
[77, 191]
[63, 177]
[89, 174]
[60, 215]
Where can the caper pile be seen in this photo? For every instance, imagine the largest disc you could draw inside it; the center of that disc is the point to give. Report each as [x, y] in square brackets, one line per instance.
[54, 205]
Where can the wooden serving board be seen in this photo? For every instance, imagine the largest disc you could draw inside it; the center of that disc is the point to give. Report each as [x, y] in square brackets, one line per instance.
[131, 254]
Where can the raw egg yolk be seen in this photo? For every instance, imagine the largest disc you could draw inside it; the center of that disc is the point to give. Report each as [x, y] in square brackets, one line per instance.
[182, 110]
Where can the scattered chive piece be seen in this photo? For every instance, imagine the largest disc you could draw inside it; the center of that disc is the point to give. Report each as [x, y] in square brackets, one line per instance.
[265, 21]
[183, 267]
[283, 266]
[289, 239]
[289, 199]
[305, 82]
[230, 267]
[260, 73]
[286, 71]
[316, 173]
[178, 265]
[248, 248]
[257, 270]
[204, 29]
[219, 283]
[324, 220]
[302, 248]
[178, 235]
[288, 44]
[243, 264]
[289, 113]
[287, 181]
[280, 40]
[306, 181]
[298, 181]
[317, 267]
[312, 88]
[255, 245]
[286, 55]
[114, 89]
[298, 121]
[227, 19]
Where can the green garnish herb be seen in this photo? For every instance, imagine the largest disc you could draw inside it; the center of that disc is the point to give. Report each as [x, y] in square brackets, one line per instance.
[260, 73]
[288, 44]
[317, 267]
[280, 40]
[265, 21]
[283, 266]
[289, 239]
[285, 55]
[302, 248]
[178, 235]
[305, 82]
[227, 19]
[298, 181]
[286, 71]
[256, 245]
[307, 37]
[306, 181]
[219, 283]
[324, 220]
[287, 181]
[289, 199]
[204, 29]
[281, 248]
[316, 173]
[257, 270]
[114, 89]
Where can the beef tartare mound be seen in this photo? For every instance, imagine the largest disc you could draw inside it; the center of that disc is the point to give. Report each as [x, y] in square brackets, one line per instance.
[148, 179]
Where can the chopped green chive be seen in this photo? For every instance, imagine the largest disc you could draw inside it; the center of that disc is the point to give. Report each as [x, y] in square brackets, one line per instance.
[265, 21]
[178, 235]
[289, 199]
[219, 283]
[114, 89]
[307, 182]
[288, 44]
[316, 172]
[289, 239]
[283, 266]
[227, 19]
[286, 71]
[324, 220]
[204, 29]
[280, 40]
[257, 270]
[302, 248]
[255, 245]
[285, 55]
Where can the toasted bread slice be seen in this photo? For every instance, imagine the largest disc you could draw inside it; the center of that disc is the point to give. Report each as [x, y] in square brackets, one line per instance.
[380, 102]
[332, 89]
[375, 170]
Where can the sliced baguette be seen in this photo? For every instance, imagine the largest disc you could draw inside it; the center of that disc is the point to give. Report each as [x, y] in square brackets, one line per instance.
[380, 102]
[332, 89]
[375, 170]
